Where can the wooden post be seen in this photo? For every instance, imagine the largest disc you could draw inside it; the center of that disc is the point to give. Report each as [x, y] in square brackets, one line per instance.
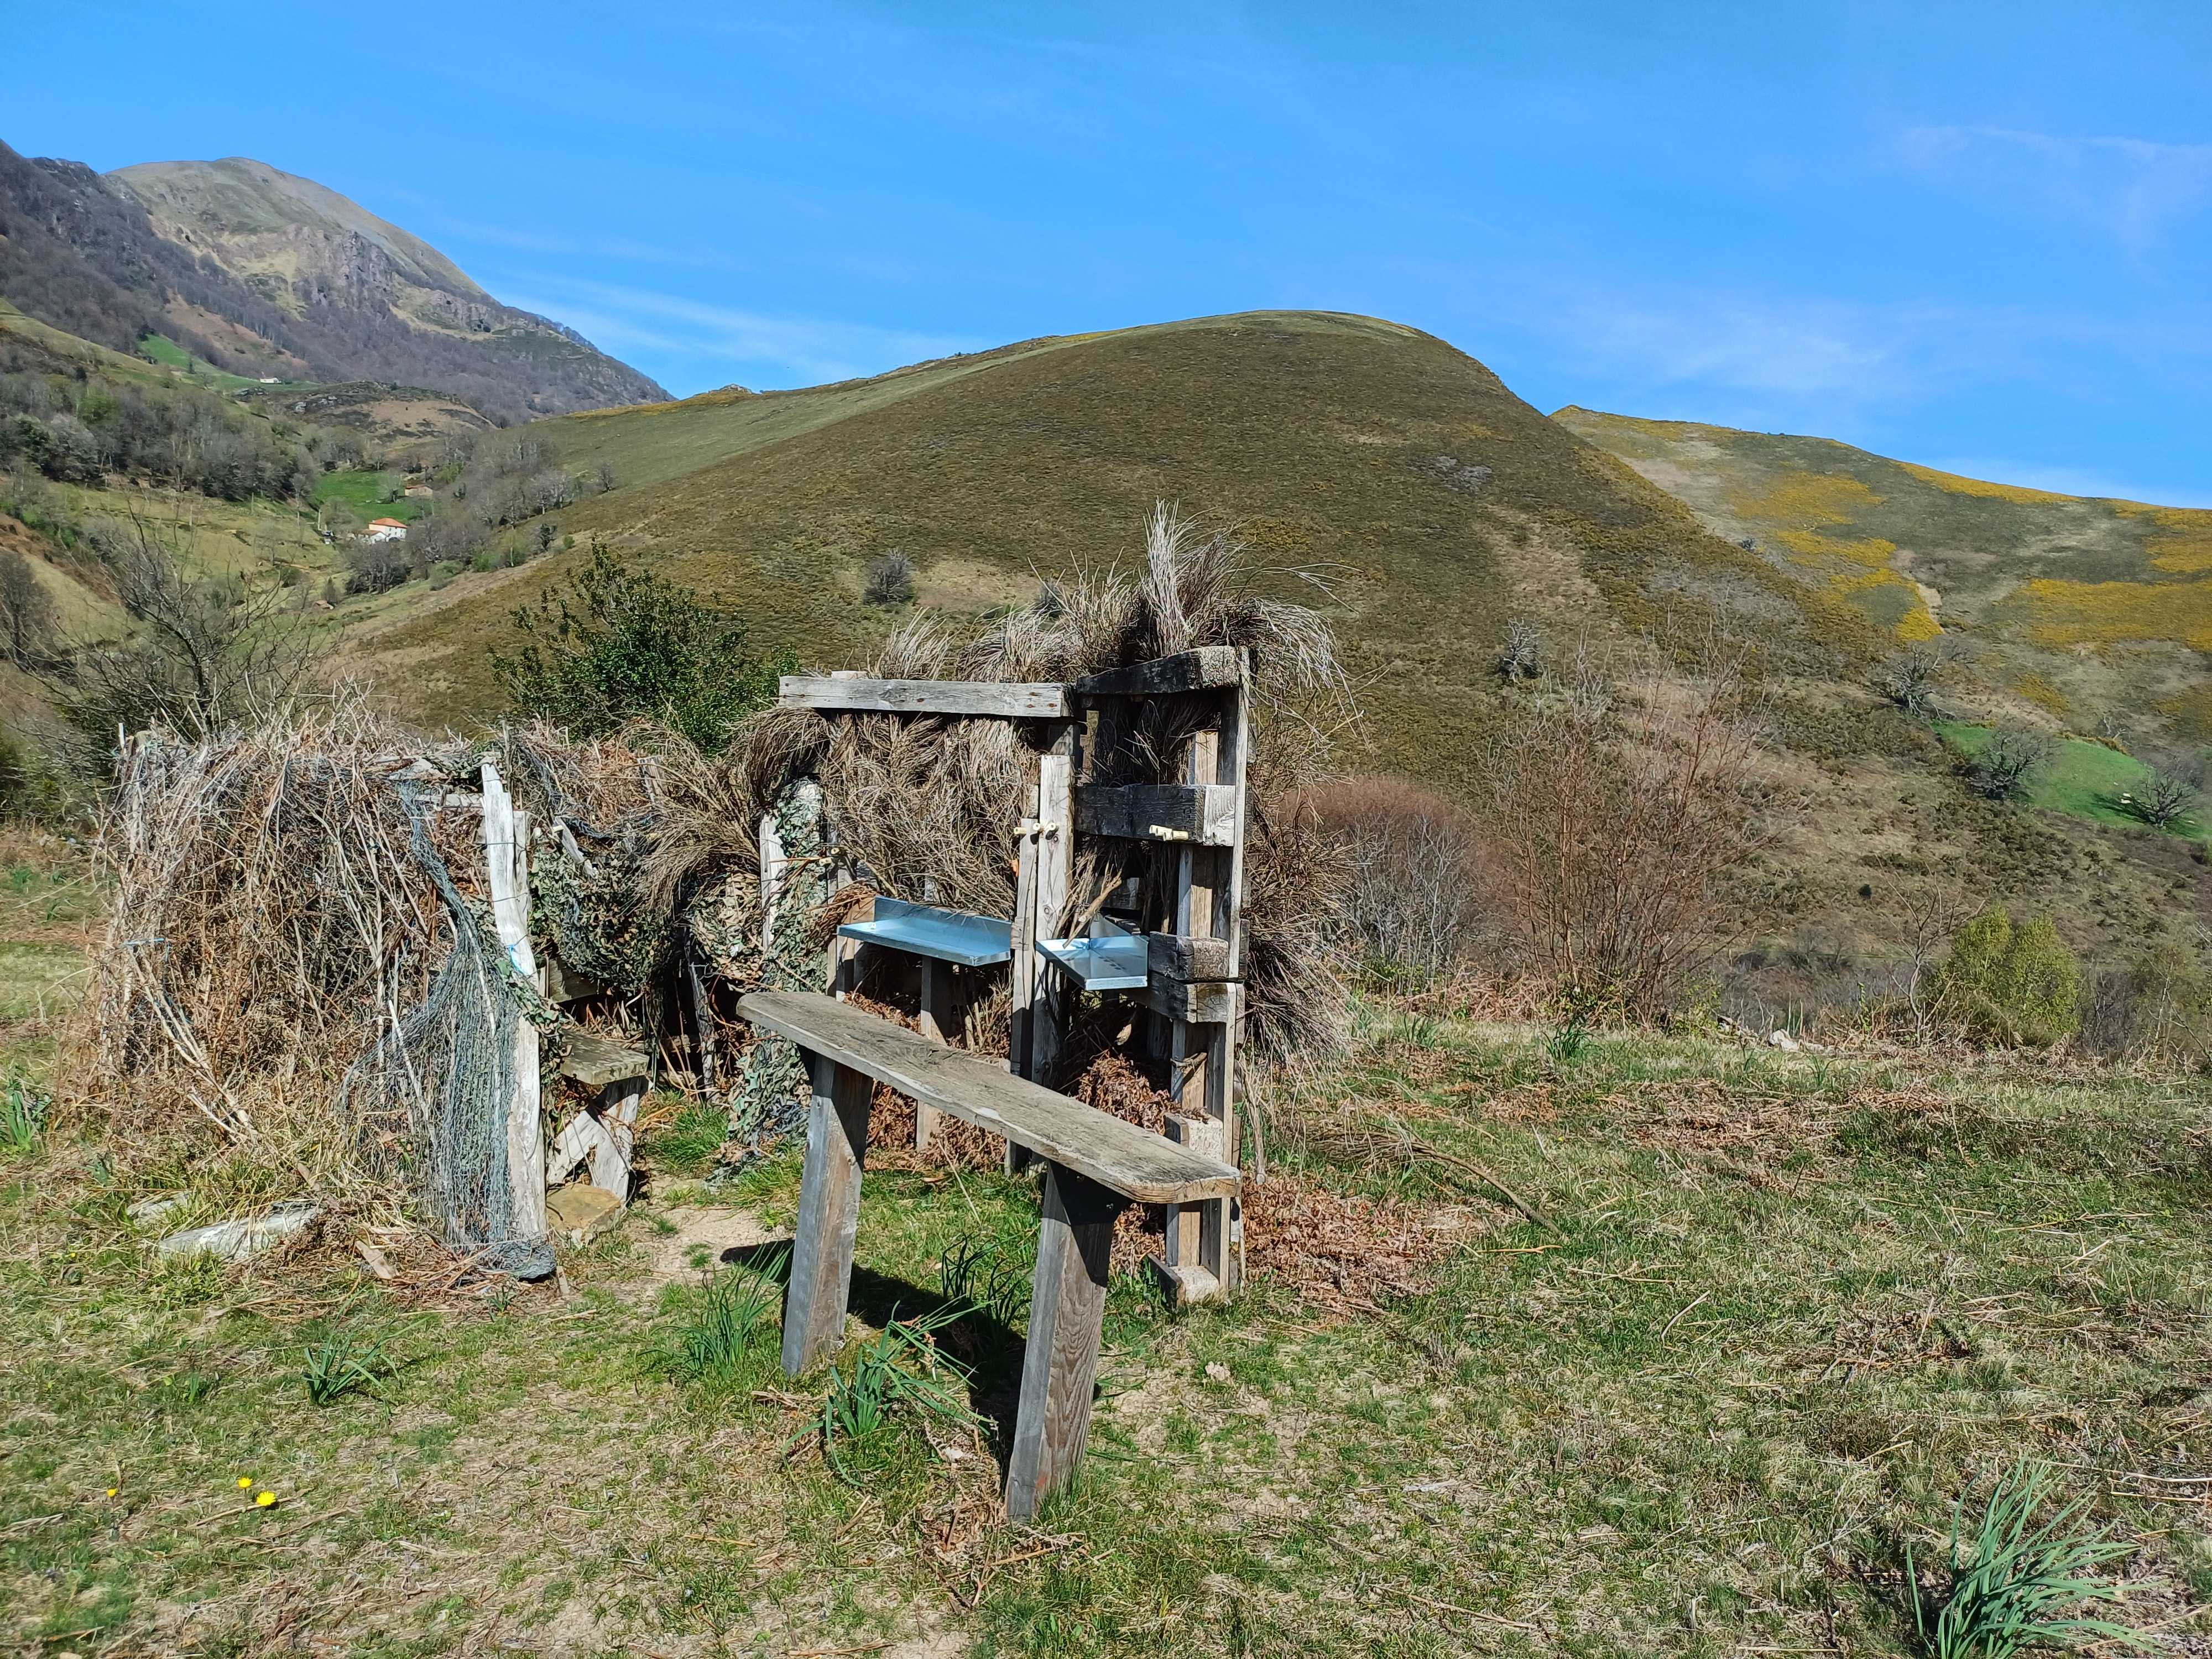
[772, 862]
[1068, 1310]
[936, 1005]
[507, 864]
[828, 1214]
[1023, 964]
[1054, 854]
[1208, 903]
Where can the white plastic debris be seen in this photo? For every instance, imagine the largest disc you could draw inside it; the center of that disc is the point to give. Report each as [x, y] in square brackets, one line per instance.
[1783, 1041]
[245, 1238]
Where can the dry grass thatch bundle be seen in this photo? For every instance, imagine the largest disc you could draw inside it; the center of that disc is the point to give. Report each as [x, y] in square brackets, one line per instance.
[921, 804]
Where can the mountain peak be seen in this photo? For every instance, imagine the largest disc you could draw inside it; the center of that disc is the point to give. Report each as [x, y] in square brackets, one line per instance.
[250, 210]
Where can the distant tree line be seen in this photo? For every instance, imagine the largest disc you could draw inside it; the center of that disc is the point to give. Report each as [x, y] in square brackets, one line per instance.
[78, 431]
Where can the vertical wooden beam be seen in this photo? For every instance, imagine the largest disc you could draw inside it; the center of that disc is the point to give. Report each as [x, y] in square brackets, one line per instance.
[828, 1215]
[1055, 852]
[1023, 965]
[935, 1003]
[506, 867]
[772, 864]
[1068, 1310]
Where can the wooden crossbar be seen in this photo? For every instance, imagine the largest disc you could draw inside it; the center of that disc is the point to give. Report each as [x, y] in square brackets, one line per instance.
[1132, 1162]
[1208, 668]
[985, 699]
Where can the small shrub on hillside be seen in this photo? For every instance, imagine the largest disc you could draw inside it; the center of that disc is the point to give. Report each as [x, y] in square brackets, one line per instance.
[2017, 984]
[1909, 679]
[1416, 896]
[1622, 821]
[2160, 1006]
[890, 580]
[616, 641]
[2008, 763]
[2168, 793]
[1522, 656]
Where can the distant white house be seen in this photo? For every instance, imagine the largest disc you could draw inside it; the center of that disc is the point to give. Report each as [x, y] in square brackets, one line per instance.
[384, 530]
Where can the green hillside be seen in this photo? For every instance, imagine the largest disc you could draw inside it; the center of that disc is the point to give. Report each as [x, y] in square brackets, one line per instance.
[2073, 610]
[1435, 503]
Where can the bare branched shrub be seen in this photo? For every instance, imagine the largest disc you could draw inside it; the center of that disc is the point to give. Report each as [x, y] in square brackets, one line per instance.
[1618, 816]
[1909, 679]
[1522, 656]
[1415, 894]
[2168, 792]
[205, 655]
[2007, 764]
[890, 580]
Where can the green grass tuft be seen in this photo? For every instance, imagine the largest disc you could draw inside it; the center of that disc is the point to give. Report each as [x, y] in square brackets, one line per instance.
[2016, 1582]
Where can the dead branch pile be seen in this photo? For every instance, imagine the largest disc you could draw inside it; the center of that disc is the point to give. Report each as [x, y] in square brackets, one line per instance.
[272, 919]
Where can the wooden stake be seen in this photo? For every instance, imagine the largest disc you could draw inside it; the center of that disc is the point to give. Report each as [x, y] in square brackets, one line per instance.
[828, 1215]
[936, 1005]
[1068, 1310]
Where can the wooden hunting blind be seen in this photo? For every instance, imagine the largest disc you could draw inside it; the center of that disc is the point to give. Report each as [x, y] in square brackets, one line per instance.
[1164, 935]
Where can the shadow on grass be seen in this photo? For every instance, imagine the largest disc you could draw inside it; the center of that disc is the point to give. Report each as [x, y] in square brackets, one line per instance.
[992, 1351]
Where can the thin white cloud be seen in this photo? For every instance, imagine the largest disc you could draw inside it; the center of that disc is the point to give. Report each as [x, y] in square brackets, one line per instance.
[793, 351]
[1777, 349]
[2132, 189]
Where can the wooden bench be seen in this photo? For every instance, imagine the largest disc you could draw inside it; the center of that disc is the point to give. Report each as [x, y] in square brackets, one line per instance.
[615, 1079]
[1096, 1165]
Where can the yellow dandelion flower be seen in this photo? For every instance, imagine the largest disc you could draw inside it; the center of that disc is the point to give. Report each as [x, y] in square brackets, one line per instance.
[265, 1499]
[244, 1481]
[112, 1491]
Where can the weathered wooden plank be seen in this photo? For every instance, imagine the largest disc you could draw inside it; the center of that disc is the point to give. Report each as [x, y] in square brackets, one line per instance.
[1115, 1154]
[1067, 1308]
[828, 1213]
[595, 1062]
[987, 699]
[773, 862]
[1206, 669]
[1178, 956]
[1205, 814]
[1055, 851]
[935, 1004]
[1182, 1260]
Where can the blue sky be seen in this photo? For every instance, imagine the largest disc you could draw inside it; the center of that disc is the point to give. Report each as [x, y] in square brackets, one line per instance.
[1974, 235]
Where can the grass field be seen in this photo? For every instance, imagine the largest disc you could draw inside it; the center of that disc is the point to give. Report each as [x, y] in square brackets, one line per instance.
[1787, 1308]
[167, 353]
[2084, 779]
[361, 491]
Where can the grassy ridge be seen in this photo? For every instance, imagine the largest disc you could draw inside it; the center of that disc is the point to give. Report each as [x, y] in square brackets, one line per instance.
[1434, 503]
[2028, 577]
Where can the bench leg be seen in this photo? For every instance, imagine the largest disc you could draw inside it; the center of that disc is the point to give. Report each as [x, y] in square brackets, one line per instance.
[936, 1003]
[828, 1215]
[1067, 1308]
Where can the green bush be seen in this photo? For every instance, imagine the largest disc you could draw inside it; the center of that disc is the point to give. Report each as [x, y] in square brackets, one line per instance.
[616, 641]
[2013, 983]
